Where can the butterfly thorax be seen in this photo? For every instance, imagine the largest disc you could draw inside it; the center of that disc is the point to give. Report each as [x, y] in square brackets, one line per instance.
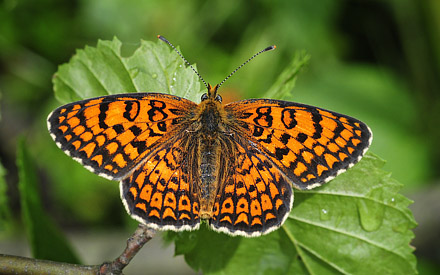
[210, 121]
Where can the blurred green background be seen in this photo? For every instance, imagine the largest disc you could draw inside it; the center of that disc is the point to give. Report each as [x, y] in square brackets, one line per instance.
[376, 60]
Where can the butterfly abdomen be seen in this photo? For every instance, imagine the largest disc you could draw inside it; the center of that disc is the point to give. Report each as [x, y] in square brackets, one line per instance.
[208, 169]
[209, 124]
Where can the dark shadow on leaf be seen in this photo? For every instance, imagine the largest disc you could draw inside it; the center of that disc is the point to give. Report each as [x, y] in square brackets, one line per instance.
[198, 247]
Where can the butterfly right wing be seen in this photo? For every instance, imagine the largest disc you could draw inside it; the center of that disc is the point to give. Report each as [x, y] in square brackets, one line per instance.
[309, 145]
[160, 192]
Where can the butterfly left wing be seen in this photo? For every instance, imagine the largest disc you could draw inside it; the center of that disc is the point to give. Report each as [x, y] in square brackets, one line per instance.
[111, 135]
[309, 145]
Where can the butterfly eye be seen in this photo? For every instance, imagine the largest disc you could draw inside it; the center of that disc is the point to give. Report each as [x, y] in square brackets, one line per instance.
[204, 97]
[218, 98]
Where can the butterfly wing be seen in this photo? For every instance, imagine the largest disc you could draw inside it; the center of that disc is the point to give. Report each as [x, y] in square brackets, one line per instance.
[111, 135]
[255, 198]
[308, 144]
[160, 193]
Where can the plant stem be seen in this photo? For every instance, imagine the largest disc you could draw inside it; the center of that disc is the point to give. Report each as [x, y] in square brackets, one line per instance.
[21, 265]
[141, 236]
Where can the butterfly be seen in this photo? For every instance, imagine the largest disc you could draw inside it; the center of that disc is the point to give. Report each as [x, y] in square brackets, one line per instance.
[234, 165]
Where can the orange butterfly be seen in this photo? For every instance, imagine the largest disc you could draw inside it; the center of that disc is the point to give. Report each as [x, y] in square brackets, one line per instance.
[234, 165]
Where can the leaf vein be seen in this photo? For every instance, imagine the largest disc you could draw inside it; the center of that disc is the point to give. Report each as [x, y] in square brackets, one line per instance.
[119, 58]
[347, 234]
[358, 197]
[98, 80]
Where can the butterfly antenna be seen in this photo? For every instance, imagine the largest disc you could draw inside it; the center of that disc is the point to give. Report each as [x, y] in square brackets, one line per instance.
[184, 59]
[273, 47]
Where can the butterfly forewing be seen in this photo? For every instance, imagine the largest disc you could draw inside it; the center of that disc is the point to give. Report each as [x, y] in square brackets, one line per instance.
[111, 135]
[308, 144]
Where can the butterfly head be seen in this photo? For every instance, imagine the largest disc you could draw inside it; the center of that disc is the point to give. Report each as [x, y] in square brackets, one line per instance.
[212, 94]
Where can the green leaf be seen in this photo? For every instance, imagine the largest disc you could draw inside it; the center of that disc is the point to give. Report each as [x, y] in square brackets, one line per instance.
[5, 212]
[287, 79]
[153, 67]
[357, 223]
[46, 240]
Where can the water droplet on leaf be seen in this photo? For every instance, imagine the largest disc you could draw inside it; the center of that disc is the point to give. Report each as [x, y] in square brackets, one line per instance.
[393, 201]
[324, 214]
[371, 214]
[154, 76]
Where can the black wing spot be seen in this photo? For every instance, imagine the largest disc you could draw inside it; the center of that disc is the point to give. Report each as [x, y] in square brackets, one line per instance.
[301, 137]
[132, 109]
[118, 128]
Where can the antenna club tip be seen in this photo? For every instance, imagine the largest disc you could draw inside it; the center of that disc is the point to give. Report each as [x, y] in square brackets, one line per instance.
[162, 38]
[273, 47]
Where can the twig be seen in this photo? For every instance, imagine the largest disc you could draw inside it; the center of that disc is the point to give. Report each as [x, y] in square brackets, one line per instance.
[141, 236]
[22, 265]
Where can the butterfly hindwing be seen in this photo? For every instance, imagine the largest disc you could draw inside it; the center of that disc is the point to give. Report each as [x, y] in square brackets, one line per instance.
[255, 198]
[110, 135]
[309, 145]
[160, 192]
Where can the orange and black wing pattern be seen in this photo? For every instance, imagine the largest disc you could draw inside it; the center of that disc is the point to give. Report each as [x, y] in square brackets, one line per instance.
[152, 142]
[309, 145]
[255, 197]
[111, 135]
[160, 193]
